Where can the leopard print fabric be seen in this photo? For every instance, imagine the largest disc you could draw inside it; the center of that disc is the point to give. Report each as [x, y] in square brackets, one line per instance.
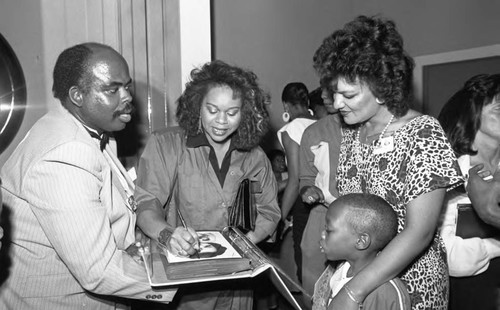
[422, 161]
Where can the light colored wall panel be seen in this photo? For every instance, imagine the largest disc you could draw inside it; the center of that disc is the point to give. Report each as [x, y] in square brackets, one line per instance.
[146, 32]
[93, 19]
[174, 83]
[156, 64]
[110, 21]
[195, 34]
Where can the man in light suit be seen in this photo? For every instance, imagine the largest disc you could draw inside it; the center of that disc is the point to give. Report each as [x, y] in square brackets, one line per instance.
[71, 204]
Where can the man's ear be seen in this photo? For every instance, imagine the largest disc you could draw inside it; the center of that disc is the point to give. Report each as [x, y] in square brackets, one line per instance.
[363, 242]
[75, 95]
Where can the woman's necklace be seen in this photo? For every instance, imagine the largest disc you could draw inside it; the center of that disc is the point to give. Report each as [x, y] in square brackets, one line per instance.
[379, 140]
[364, 159]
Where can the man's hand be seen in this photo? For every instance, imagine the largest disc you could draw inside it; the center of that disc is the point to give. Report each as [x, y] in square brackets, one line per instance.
[141, 242]
[483, 189]
[140, 237]
[311, 195]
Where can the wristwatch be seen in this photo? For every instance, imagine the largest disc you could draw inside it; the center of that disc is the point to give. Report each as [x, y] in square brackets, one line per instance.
[164, 236]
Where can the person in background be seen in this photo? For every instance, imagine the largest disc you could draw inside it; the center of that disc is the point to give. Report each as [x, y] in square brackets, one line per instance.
[295, 98]
[319, 155]
[71, 220]
[222, 118]
[393, 152]
[278, 164]
[316, 103]
[327, 96]
[280, 170]
[279, 246]
[358, 227]
[471, 121]
[485, 195]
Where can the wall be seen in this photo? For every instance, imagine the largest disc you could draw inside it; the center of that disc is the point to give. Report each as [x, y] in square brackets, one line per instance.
[154, 36]
[277, 38]
[21, 25]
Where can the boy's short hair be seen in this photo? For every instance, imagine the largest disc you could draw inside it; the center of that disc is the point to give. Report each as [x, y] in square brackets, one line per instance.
[368, 213]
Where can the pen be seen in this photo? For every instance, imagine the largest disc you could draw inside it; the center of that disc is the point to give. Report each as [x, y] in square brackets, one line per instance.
[185, 227]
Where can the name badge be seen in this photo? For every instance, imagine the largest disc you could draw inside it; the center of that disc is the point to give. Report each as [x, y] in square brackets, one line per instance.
[385, 145]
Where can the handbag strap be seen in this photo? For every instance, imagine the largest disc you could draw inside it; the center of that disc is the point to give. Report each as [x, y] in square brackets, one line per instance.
[174, 184]
[172, 188]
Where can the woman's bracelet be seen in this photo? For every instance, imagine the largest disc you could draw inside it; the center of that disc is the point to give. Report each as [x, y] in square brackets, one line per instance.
[353, 297]
[164, 236]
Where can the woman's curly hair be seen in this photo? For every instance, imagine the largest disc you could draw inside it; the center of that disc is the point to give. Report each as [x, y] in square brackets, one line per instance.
[254, 116]
[460, 117]
[369, 49]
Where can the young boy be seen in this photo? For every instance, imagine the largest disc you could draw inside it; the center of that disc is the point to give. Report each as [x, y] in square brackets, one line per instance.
[358, 226]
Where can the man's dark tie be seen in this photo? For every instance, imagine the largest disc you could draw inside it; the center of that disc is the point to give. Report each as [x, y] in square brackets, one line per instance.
[104, 138]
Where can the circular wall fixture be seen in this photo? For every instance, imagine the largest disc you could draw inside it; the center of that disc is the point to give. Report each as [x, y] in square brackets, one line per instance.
[12, 94]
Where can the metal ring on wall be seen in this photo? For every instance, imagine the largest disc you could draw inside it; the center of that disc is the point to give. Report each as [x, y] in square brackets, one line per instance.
[12, 94]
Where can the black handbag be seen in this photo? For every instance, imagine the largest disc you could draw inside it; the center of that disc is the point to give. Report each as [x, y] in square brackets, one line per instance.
[470, 225]
[243, 212]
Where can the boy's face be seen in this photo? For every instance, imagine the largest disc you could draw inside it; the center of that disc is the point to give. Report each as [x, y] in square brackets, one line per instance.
[278, 164]
[338, 239]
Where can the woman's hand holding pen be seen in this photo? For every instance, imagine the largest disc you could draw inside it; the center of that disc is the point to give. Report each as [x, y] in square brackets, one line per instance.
[184, 241]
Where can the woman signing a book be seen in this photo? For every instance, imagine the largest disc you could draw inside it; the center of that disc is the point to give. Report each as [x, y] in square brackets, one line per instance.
[197, 168]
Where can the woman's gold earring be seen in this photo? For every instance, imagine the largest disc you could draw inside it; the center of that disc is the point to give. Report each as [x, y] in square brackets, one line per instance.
[379, 101]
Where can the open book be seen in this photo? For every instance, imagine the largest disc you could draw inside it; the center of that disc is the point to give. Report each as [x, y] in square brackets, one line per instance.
[228, 255]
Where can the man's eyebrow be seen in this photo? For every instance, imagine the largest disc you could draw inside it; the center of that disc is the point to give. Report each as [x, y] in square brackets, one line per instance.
[114, 83]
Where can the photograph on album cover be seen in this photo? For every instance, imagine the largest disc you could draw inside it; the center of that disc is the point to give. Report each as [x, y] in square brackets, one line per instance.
[213, 245]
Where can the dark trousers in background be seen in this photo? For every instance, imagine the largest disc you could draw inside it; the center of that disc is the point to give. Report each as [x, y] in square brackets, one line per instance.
[300, 213]
[479, 292]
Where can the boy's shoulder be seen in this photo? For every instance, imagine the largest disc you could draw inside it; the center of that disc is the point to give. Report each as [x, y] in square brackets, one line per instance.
[392, 295]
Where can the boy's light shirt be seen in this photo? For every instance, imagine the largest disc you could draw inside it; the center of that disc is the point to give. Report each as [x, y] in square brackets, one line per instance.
[338, 280]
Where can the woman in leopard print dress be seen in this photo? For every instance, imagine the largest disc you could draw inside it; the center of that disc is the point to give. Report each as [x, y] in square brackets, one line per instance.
[393, 152]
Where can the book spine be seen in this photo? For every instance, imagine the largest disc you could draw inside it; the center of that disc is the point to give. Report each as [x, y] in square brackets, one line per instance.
[244, 246]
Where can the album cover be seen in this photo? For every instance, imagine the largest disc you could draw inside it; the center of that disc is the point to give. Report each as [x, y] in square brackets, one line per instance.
[224, 255]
